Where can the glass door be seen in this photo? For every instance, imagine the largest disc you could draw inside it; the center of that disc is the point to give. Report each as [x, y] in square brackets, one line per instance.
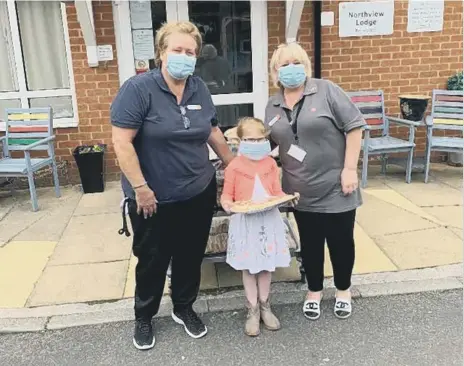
[233, 61]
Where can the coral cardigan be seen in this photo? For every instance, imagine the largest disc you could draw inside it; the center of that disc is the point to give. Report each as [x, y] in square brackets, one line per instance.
[240, 176]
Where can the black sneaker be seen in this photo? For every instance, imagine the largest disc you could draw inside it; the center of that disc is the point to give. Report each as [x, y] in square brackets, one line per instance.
[143, 334]
[193, 325]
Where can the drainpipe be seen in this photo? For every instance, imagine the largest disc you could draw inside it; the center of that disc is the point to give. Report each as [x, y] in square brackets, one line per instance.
[317, 8]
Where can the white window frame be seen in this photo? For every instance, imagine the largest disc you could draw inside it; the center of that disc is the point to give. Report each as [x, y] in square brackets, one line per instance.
[23, 94]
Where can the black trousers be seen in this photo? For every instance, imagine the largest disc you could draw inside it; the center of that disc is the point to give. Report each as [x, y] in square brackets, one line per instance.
[338, 229]
[178, 231]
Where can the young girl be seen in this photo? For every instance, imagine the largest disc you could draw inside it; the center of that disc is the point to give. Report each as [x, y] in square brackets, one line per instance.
[257, 242]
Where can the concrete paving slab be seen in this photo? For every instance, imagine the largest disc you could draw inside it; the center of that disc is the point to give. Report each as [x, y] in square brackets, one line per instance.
[209, 278]
[430, 194]
[379, 218]
[291, 273]
[396, 199]
[92, 239]
[425, 248]
[51, 226]
[80, 283]
[369, 257]
[22, 325]
[100, 203]
[129, 287]
[21, 264]
[448, 215]
[458, 232]
[385, 289]
[18, 220]
[227, 276]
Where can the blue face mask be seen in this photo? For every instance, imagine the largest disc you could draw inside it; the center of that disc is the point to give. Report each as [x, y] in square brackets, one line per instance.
[254, 150]
[292, 76]
[180, 66]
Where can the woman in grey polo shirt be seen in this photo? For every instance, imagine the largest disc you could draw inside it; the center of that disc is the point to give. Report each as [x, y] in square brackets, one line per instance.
[162, 121]
[319, 131]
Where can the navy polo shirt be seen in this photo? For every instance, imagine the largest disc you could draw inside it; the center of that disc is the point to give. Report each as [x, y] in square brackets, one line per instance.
[173, 157]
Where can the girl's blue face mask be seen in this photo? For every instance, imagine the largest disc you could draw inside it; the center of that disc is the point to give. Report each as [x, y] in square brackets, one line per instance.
[292, 75]
[180, 66]
[254, 150]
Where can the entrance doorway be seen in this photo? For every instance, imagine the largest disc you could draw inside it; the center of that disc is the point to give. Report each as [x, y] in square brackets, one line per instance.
[233, 62]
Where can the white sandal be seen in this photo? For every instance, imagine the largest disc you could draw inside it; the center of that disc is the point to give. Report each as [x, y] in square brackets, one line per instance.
[312, 309]
[342, 308]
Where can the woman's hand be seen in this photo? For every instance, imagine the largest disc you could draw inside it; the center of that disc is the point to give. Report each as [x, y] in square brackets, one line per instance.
[296, 199]
[146, 201]
[349, 180]
[226, 205]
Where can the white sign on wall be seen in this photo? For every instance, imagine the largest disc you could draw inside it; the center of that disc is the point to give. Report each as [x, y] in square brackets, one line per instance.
[140, 13]
[144, 45]
[425, 16]
[373, 18]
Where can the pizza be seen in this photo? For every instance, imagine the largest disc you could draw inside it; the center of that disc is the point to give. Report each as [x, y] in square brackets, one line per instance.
[253, 206]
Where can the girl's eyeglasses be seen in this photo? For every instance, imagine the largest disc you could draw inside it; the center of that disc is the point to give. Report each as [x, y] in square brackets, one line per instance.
[185, 119]
[261, 139]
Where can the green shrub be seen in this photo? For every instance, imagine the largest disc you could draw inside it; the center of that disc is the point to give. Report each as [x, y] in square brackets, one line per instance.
[455, 82]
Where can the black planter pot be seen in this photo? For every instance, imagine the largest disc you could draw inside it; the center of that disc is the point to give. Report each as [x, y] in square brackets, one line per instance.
[413, 107]
[90, 165]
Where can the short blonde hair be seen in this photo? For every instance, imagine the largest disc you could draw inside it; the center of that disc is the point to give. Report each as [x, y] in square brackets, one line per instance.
[289, 50]
[161, 39]
[250, 122]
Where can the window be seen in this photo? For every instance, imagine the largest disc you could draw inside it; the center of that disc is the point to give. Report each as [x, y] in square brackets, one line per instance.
[35, 66]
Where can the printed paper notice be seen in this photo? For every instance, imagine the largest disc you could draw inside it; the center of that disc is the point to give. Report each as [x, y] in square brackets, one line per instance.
[144, 46]
[425, 16]
[140, 13]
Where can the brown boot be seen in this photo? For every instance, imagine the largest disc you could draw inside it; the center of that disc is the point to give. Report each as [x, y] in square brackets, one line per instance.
[253, 321]
[269, 319]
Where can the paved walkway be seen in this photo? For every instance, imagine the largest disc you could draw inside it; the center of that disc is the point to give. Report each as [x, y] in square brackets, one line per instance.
[70, 252]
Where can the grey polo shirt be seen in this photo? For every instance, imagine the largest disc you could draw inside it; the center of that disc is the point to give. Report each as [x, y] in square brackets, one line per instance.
[326, 115]
[174, 159]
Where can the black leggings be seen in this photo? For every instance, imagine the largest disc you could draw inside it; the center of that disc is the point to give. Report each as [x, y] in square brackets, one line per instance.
[179, 231]
[337, 228]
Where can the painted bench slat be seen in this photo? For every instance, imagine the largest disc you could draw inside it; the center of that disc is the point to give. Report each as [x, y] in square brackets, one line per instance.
[24, 135]
[446, 121]
[28, 129]
[449, 98]
[26, 116]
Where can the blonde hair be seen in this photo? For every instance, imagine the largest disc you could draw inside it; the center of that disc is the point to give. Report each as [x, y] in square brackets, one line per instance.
[246, 123]
[161, 39]
[289, 51]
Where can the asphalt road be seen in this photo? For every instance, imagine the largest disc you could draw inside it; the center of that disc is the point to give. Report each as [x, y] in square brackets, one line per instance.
[420, 329]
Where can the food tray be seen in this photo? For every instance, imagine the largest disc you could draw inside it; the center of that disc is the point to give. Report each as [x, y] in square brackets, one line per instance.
[249, 207]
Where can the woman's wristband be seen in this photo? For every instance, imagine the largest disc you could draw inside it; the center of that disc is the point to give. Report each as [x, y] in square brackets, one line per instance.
[140, 186]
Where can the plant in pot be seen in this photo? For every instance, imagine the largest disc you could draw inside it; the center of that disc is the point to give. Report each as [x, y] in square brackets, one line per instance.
[455, 83]
[89, 160]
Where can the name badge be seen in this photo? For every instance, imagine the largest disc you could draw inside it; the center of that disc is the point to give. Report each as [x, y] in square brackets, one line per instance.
[194, 107]
[274, 120]
[296, 153]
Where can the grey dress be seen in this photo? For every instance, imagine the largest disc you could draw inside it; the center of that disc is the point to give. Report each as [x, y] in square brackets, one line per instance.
[257, 242]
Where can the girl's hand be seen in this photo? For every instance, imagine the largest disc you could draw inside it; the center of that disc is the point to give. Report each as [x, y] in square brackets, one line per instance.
[146, 201]
[349, 180]
[296, 199]
[226, 205]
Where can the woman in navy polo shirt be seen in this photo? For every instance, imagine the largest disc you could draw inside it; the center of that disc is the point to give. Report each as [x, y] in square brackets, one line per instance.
[162, 121]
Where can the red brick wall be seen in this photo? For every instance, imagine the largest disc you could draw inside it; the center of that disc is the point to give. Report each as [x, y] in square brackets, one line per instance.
[95, 89]
[401, 63]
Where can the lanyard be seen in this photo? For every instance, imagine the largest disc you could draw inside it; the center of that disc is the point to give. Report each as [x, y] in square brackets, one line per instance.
[294, 123]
